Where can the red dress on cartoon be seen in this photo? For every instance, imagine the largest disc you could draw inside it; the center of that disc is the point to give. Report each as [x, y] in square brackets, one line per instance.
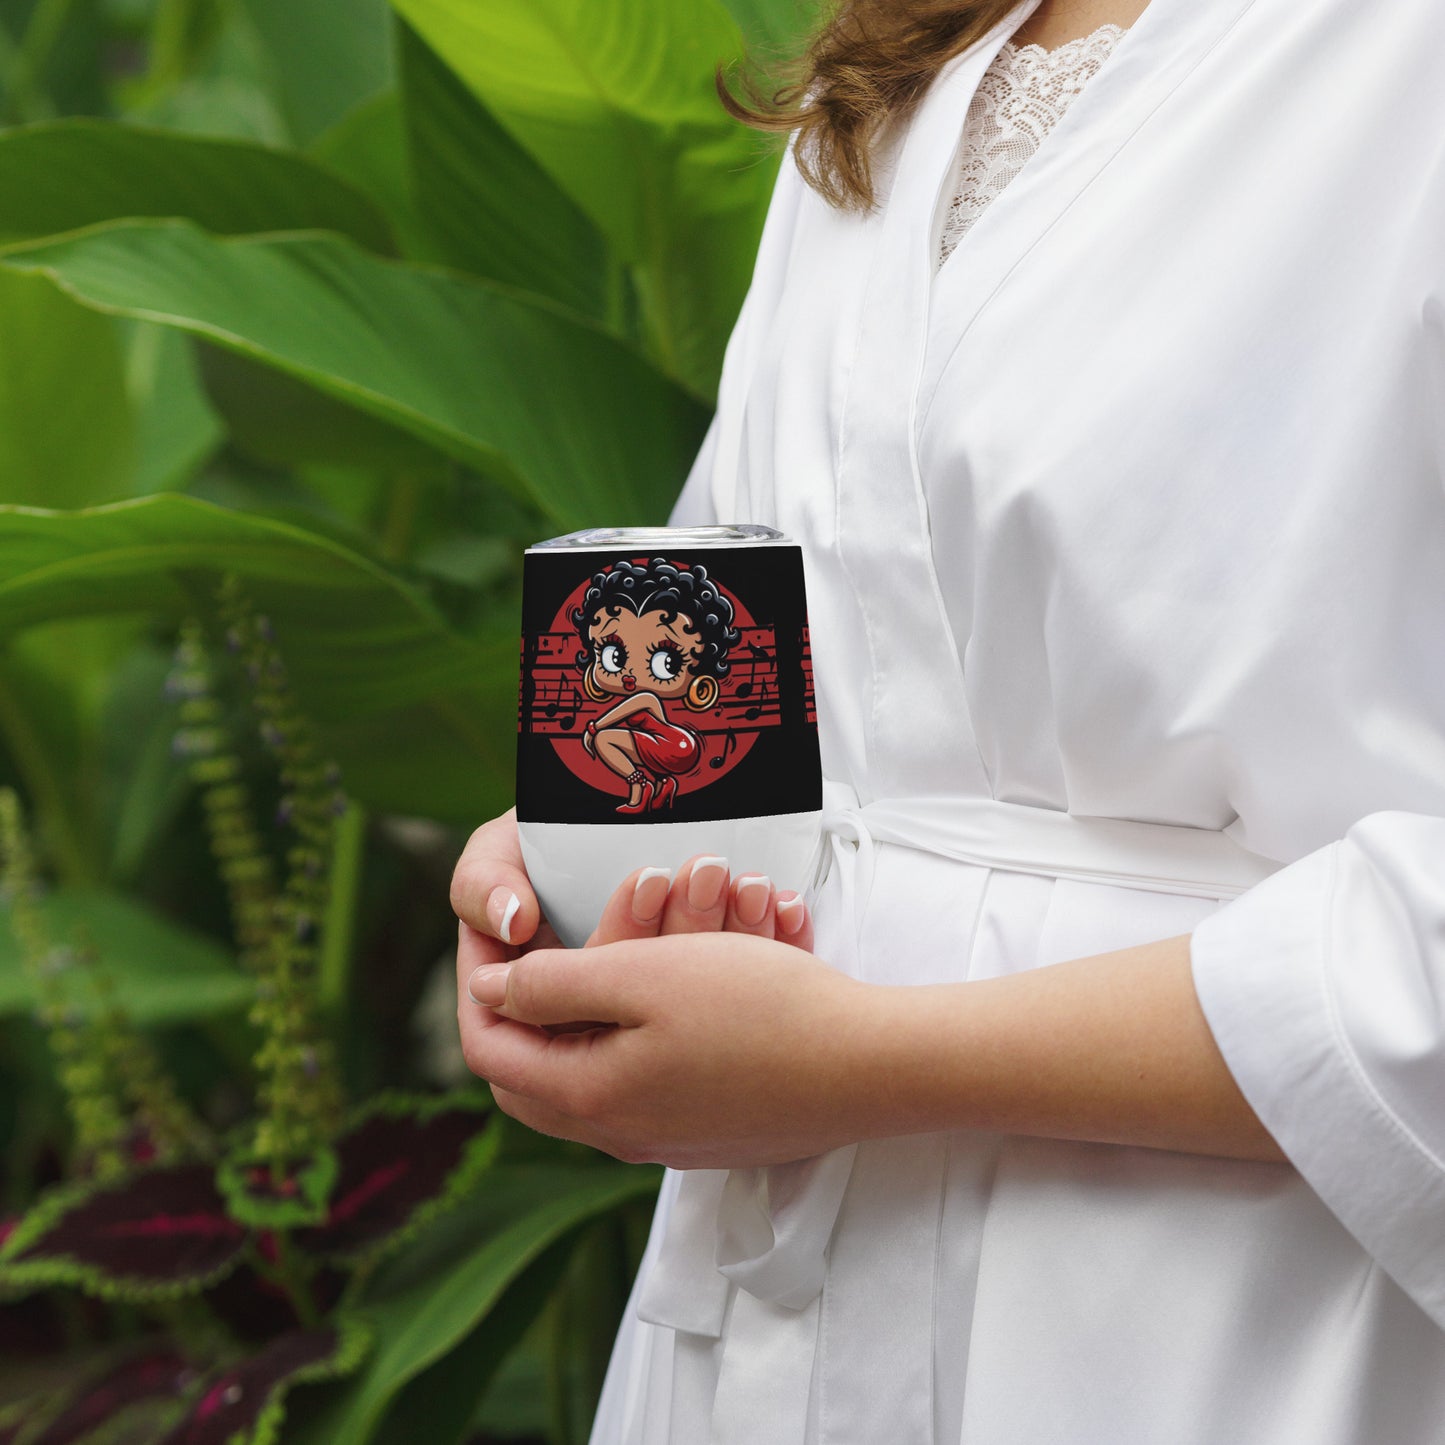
[662, 746]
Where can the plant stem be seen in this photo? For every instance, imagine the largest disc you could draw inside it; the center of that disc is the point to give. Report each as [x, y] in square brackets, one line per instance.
[400, 523]
[289, 1278]
[347, 862]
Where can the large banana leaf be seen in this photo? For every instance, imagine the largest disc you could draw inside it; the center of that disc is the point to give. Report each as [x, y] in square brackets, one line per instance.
[72, 173]
[368, 147]
[494, 211]
[563, 413]
[420, 718]
[66, 427]
[617, 103]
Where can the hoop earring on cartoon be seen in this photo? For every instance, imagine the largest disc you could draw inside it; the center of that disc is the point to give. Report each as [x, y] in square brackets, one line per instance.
[702, 693]
[590, 687]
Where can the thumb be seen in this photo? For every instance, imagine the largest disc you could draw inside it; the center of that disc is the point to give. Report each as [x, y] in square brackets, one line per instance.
[551, 986]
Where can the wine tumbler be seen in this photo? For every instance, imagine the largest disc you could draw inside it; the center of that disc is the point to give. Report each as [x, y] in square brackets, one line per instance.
[666, 709]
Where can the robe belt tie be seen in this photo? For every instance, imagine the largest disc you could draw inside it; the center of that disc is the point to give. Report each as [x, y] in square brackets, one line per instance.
[767, 1229]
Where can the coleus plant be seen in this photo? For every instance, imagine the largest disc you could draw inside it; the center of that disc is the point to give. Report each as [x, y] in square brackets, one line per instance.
[244, 1249]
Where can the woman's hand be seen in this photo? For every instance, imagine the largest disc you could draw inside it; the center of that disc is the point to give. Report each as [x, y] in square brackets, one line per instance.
[708, 1050]
[702, 899]
[500, 920]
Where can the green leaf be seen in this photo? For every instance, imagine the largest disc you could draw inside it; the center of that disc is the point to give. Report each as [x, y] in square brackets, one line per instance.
[617, 103]
[156, 1233]
[66, 429]
[402, 1160]
[273, 417]
[326, 55]
[243, 1178]
[77, 172]
[447, 1393]
[426, 1301]
[209, 74]
[176, 426]
[367, 146]
[562, 412]
[164, 973]
[775, 28]
[246, 1403]
[420, 719]
[493, 209]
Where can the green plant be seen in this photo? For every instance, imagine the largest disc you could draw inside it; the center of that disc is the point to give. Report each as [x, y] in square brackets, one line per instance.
[326, 309]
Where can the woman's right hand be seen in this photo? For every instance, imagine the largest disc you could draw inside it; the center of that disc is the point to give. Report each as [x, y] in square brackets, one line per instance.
[500, 919]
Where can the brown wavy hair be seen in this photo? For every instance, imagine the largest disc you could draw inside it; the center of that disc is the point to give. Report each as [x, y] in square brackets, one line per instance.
[865, 68]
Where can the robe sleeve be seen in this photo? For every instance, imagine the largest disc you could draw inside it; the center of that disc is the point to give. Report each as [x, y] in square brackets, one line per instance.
[1324, 987]
[709, 494]
[694, 506]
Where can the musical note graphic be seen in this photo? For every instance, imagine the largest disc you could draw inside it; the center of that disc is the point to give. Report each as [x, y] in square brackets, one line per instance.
[756, 710]
[728, 746]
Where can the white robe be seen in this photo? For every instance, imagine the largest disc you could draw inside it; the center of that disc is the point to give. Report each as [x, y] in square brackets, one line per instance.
[1135, 510]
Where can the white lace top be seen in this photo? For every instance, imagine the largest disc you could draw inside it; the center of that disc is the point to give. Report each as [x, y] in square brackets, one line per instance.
[1019, 100]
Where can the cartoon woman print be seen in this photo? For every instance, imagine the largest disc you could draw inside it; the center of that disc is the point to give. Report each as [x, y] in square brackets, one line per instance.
[650, 635]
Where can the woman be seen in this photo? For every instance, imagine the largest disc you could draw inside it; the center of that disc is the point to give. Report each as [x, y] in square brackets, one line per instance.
[1112, 1110]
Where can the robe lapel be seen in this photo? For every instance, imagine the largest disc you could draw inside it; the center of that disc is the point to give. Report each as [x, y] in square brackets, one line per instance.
[919, 737]
[1158, 53]
[916, 718]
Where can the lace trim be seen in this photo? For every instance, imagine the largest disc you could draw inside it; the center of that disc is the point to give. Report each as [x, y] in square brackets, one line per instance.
[1019, 100]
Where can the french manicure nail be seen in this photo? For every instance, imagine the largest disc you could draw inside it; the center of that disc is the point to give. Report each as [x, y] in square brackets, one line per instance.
[706, 883]
[649, 893]
[502, 908]
[488, 984]
[790, 914]
[752, 901]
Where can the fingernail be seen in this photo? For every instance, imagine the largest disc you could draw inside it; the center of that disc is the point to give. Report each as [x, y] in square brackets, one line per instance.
[488, 984]
[650, 893]
[790, 914]
[502, 908]
[752, 903]
[706, 883]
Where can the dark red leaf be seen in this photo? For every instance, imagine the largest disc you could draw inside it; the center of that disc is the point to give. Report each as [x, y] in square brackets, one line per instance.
[392, 1164]
[232, 1401]
[161, 1373]
[162, 1229]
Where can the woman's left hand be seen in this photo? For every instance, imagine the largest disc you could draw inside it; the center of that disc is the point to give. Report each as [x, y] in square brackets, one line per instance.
[710, 1050]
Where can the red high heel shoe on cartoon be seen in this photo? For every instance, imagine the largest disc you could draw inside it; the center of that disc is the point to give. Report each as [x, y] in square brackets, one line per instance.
[666, 792]
[644, 801]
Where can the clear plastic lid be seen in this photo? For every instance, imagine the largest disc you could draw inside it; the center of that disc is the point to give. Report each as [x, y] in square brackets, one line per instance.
[610, 539]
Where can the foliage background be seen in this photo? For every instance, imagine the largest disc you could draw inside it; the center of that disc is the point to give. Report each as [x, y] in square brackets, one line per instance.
[348, 301]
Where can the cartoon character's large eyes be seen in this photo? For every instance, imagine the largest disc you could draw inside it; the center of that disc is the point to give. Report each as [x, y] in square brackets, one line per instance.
[665, 661]
[613, 657]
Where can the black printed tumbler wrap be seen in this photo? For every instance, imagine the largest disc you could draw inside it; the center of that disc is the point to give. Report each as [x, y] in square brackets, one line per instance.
[692, 666]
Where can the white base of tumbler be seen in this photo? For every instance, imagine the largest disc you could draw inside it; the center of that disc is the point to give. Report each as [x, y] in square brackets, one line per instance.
[575, 867]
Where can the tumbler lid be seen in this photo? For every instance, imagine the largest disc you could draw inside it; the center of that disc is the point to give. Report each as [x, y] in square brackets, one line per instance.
[610, 539]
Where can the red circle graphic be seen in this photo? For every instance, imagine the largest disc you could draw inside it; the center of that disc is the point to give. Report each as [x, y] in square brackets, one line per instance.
[727, 730]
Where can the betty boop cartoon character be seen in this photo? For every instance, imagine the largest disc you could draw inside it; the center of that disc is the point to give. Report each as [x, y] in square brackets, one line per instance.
[651, 635]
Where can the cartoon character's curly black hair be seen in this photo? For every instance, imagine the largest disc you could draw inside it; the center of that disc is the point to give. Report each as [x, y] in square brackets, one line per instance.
[661, 586]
